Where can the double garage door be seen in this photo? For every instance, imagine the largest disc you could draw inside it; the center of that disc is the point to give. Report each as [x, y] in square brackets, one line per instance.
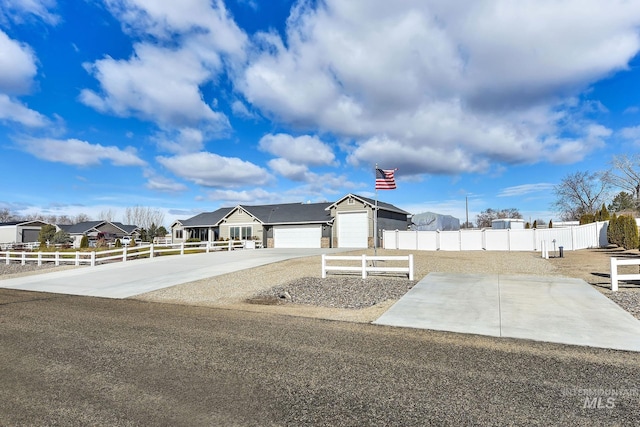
[297, 236]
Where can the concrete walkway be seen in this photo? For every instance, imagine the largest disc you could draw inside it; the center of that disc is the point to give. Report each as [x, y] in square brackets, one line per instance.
[541, 308]
[126, 279]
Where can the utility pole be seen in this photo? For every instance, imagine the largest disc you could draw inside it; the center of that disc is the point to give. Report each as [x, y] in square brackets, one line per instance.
[466, 201]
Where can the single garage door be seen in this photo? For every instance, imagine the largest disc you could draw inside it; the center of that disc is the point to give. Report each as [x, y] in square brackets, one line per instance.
[353, 230]
[297, 236]
[30, 235]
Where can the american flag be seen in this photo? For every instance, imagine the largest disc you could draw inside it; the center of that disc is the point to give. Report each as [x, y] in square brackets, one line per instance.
[385, 179]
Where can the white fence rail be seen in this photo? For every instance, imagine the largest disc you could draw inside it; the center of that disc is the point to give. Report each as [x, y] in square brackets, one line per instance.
[571, 238]
[363, 265]
[119, 255]
[615, 277]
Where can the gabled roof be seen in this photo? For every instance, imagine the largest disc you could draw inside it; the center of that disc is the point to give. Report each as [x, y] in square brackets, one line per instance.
[381, 205]
[290, 213]
[87, 226]
[284, 213]
[8, 223]
[206, 219]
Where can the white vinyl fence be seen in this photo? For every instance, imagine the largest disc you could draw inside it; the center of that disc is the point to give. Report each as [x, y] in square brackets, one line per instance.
[120, 255]
[571, 238]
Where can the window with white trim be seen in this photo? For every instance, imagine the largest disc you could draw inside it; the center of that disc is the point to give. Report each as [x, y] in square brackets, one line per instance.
[240, 232]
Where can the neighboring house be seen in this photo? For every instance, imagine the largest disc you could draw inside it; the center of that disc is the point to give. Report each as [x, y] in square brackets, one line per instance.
[20, 231]
[345, 223]
[95, 230]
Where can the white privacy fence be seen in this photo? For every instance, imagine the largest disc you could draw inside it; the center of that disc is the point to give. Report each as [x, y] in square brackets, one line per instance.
[571, 238]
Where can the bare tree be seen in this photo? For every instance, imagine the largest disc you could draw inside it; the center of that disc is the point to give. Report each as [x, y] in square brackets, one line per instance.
[625, 174]
[143, 217]
[580, 193]
[82, 217]
[485, 218]
[6, 215]
[107, 215]
[64, 219]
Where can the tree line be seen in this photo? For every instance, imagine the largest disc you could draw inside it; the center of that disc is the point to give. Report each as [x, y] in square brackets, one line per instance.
[583, 193]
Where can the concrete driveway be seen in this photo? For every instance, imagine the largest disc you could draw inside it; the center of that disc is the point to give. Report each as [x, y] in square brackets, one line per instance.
[541, 308]
[126, 279]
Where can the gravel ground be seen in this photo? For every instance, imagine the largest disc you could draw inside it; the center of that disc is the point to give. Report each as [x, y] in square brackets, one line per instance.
[17, 269]
[341, 292]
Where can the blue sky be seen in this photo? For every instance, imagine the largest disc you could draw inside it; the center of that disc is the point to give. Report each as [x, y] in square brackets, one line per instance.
[189, 106]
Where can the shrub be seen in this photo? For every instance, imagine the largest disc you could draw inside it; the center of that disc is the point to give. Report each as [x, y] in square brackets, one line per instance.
[118, 243]
[623, 232]
[193, 240]
[587, 219]
[84, 242]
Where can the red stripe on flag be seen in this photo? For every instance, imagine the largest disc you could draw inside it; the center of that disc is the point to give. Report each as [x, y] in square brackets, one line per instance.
[385, 179]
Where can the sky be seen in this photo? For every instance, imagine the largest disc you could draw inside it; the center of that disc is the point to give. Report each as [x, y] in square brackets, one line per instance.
[186, 107]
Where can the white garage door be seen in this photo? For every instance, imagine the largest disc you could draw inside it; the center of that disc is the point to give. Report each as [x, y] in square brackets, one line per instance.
[353, 230]
[297, 236]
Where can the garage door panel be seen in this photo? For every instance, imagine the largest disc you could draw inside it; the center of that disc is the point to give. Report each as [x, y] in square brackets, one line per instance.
[303, 236]
[353, 230]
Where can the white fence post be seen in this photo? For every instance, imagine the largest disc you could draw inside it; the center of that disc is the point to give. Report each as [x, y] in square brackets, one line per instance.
[39, 258]
[208, 246]
[614, 275]
[410, 266]
[24, 258]
[151, 250]
[230, 245]
[124, 254]
[364, 266]
[182, 248]
[324, 265]
[57, 258]
[77, 258]
[93, 258]
[8, 257]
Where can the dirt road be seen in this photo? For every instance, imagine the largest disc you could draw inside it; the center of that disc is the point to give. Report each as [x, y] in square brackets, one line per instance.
[88, 361]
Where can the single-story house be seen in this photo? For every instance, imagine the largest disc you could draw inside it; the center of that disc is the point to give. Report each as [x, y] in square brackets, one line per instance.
[20, 231]
[96, 230]
[346, 223]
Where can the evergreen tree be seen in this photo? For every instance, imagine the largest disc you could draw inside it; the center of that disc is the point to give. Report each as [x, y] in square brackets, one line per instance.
[550, 224]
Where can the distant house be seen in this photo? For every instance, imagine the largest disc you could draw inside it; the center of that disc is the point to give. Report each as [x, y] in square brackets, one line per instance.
[347, 223]
[20, 231]
[96, 230]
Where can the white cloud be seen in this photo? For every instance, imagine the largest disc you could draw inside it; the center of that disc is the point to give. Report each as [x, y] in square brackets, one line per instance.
[212, 170]
[521, 190]
[183, 46]
[205, 25]
[240, 110]
[631, 133]
[451, 86]
[157, 84]
[79, 153]
[303, 150]
[165, 185]
[17, 66]
[14, 111]
[19, 10]
[256, 196]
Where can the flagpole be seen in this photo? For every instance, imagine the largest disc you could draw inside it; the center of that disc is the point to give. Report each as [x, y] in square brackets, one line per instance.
[375, 219]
